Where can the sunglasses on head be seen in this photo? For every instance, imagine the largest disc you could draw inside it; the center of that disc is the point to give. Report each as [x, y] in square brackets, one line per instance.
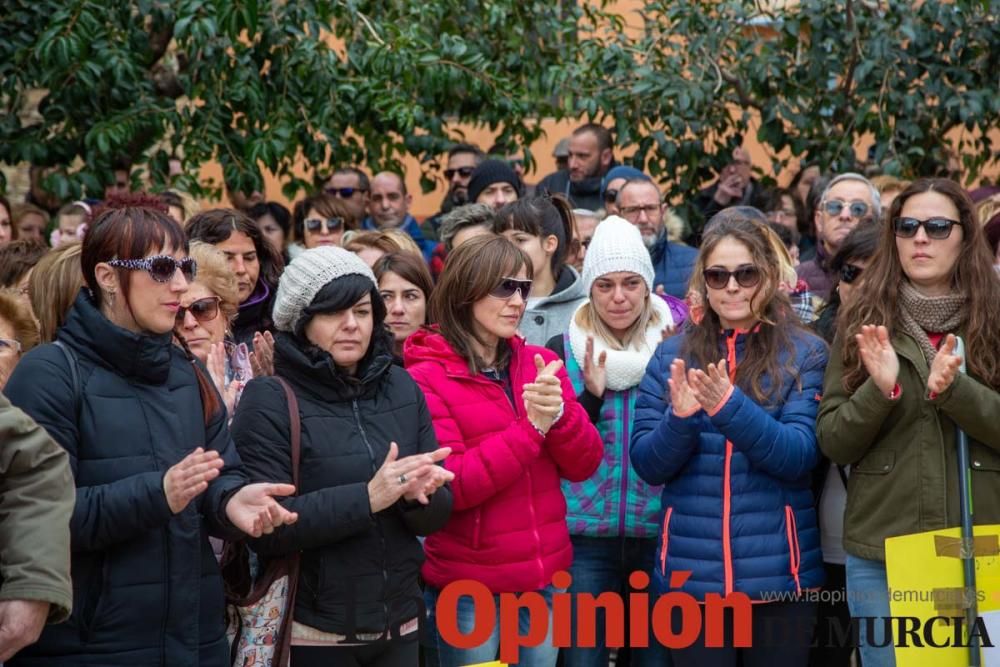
[344, 193]
[332, 224]
[747, 275]
[464, 172]
[203, 310]
[508, 286]
[161, 268]
[857, 209]
[849, 273]
[610, 196]
[936, 228]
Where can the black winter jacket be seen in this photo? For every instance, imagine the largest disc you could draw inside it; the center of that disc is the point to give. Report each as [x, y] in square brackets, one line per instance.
[358, 571]
[146, 586]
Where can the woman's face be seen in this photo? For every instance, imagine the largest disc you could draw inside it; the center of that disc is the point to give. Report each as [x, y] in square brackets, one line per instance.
[405, 304]
[345, 334]
[67, 227]
[152, 306]
[325, 232]
[272, 231]
[619, 298]
[6, 228]
[495, 317]
[927, 262]
[31, 227]
[733, 302]
[244, 262]
[9, 352]
[539, 249]
[200, 335]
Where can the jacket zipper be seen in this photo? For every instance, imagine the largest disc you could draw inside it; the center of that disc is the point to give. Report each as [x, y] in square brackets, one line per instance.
[794, 554]
[665, 541]
[381, 533]
[623, 501]
[727, 548]
[514, 368]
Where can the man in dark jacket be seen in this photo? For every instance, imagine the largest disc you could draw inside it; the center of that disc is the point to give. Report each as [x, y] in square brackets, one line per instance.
[735, 187]
[389, 208]
[590, 158]
[462, 161]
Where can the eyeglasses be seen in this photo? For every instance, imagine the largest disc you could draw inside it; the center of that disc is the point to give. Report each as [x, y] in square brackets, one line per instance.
[161, 268]
[610, 196]
[746, 275]
[9, 345]
[849, 273]
[203, 310]
[332, 224]
[635, 211]
[857, 209]
[464, 172]
[344, 193]
[936, 228]
[508, 286]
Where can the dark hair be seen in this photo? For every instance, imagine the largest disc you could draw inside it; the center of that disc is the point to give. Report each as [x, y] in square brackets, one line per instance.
[363, 182]
[467, 148]
[772, 202]
[860, 243]
[327, 205]
[471, 272]
[17, 258]
[789, 237]
[280, 214]
[542, 217]
[218, 224]
[813, 200]
[133, 232]
[973, 276]
[408, 267]
[603, 134]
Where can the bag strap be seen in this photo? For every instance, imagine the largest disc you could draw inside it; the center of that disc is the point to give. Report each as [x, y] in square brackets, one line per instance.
[74, 373]
[296, 429]
[283, 649]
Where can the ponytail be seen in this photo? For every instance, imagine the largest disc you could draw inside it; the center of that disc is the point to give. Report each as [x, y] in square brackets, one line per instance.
[210, 403]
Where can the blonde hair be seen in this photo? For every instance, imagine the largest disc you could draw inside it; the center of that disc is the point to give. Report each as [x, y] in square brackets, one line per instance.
[215, 274]
[14, 311]
[54, 286]
[588, 320]
[674, 226]
[886, 183]
[388, 241]
[987, 208]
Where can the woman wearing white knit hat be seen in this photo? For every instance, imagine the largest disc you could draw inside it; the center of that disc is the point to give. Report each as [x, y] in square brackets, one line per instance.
[612, 516]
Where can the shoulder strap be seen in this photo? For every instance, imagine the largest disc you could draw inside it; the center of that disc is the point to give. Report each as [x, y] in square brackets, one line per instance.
[296, 430]
[74, 372]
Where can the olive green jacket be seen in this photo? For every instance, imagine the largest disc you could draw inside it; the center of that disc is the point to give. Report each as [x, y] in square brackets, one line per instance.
[37, 494]
[903, 452]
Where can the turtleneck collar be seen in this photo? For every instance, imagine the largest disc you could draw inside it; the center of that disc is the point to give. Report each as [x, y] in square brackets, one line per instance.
[314, 370]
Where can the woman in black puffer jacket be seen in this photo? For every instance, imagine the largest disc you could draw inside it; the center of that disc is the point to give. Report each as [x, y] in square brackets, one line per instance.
[368, 481]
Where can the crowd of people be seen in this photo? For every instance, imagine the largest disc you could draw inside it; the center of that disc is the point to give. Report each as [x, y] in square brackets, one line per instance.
[558, 377]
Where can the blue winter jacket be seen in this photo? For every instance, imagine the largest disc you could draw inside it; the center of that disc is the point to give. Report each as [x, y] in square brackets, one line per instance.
[737, 509]
[673, 263]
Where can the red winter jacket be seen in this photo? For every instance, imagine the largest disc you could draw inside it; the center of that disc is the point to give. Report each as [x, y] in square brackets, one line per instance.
[508, 523]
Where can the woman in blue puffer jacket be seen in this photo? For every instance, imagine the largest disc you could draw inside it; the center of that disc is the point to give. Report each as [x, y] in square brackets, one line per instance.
[725, 421]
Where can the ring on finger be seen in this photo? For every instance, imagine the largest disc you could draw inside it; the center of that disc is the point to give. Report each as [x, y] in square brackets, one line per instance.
[402, 478]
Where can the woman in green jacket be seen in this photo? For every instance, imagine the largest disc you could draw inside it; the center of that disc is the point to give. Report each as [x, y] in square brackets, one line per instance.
[893, 394]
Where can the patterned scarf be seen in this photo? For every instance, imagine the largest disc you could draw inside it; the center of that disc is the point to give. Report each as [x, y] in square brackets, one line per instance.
[935, 314]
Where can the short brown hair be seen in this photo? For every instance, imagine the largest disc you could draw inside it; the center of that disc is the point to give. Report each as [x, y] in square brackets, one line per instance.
[471, 272]
[388, 241]
[18, 315]
[55, 283]
[215, 274]
[407, 266]
[17, 258]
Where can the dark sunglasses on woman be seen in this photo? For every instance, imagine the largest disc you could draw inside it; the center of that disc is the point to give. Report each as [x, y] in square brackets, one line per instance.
[203, 310]
[746, 275]
[332, 224]
[161, 268]
[936, 228]
[849, 273]
[508, 286]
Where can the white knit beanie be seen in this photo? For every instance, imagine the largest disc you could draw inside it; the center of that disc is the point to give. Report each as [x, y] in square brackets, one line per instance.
[616, 246]
[306, 275]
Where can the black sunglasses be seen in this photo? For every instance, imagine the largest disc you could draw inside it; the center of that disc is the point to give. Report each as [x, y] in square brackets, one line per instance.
[161, 268]
[332, 224]
[857, 209]
[747, 275]
[203, 310]
[610, 196]
[508, 286]
[344, 193]
[936, 228]
[849, 273]
[464, 172]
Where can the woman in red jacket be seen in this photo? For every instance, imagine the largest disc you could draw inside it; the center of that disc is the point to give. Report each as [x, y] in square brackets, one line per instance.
[510, 415]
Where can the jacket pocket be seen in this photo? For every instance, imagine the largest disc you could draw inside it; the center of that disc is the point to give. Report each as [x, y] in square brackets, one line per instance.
[665, 540]
[794, 553]
[877, 462]
[95, 597]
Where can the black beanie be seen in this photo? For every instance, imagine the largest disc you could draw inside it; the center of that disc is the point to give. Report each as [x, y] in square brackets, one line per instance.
[489, 172]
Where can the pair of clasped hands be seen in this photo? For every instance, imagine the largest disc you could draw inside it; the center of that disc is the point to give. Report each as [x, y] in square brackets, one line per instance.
[882, 364]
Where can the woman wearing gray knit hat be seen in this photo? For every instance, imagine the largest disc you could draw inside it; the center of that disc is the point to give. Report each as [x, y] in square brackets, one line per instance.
[612, 516]
[369, 482]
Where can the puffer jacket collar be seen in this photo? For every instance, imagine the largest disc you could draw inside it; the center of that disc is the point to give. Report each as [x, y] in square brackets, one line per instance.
[142, 357]
[428, 344]
[314, 371]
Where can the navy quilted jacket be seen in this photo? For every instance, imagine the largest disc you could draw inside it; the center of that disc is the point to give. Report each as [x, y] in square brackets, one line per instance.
[737, 509]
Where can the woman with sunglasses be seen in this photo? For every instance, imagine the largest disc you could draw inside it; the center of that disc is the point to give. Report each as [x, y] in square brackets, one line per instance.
[18, 332]
[725, 422]
[155, 470]
[509, 414]
[321, 220]
[894, 396]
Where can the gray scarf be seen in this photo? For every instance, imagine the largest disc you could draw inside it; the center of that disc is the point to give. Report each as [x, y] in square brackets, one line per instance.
[935, 314]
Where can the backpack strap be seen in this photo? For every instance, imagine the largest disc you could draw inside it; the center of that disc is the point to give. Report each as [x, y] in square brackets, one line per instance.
[74, 373]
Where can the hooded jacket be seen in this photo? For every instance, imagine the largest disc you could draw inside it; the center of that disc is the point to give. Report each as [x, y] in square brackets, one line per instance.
[146, 585]
[254, 314]
[359, 571]
[737, 509]
[550, 315]
[508, 527]
[583, 194]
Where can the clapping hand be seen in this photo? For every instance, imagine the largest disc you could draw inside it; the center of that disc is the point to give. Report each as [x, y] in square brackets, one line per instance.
[710, 388]
[879, 357]
[543, 398]
[254, 510]
[262, 357]
[410, 476]
[595, 375]
[944, 367]
[216, 364]
[682, 399]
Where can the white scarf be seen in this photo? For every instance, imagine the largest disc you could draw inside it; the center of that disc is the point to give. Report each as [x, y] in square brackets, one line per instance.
[625, 368]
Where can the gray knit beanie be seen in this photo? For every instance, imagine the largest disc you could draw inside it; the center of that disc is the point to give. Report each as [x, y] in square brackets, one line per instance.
[307, 275]
[616, 246]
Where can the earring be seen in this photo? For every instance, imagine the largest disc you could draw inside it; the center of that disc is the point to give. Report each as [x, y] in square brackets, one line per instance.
[111, 297]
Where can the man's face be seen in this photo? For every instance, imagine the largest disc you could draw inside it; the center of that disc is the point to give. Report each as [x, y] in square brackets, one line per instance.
[243, 201]
[389, 204]
[835, 218]
[459, 173]
[347, 187]
[639, 203]
[497, 195]
[586, 159]
[120, 187]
